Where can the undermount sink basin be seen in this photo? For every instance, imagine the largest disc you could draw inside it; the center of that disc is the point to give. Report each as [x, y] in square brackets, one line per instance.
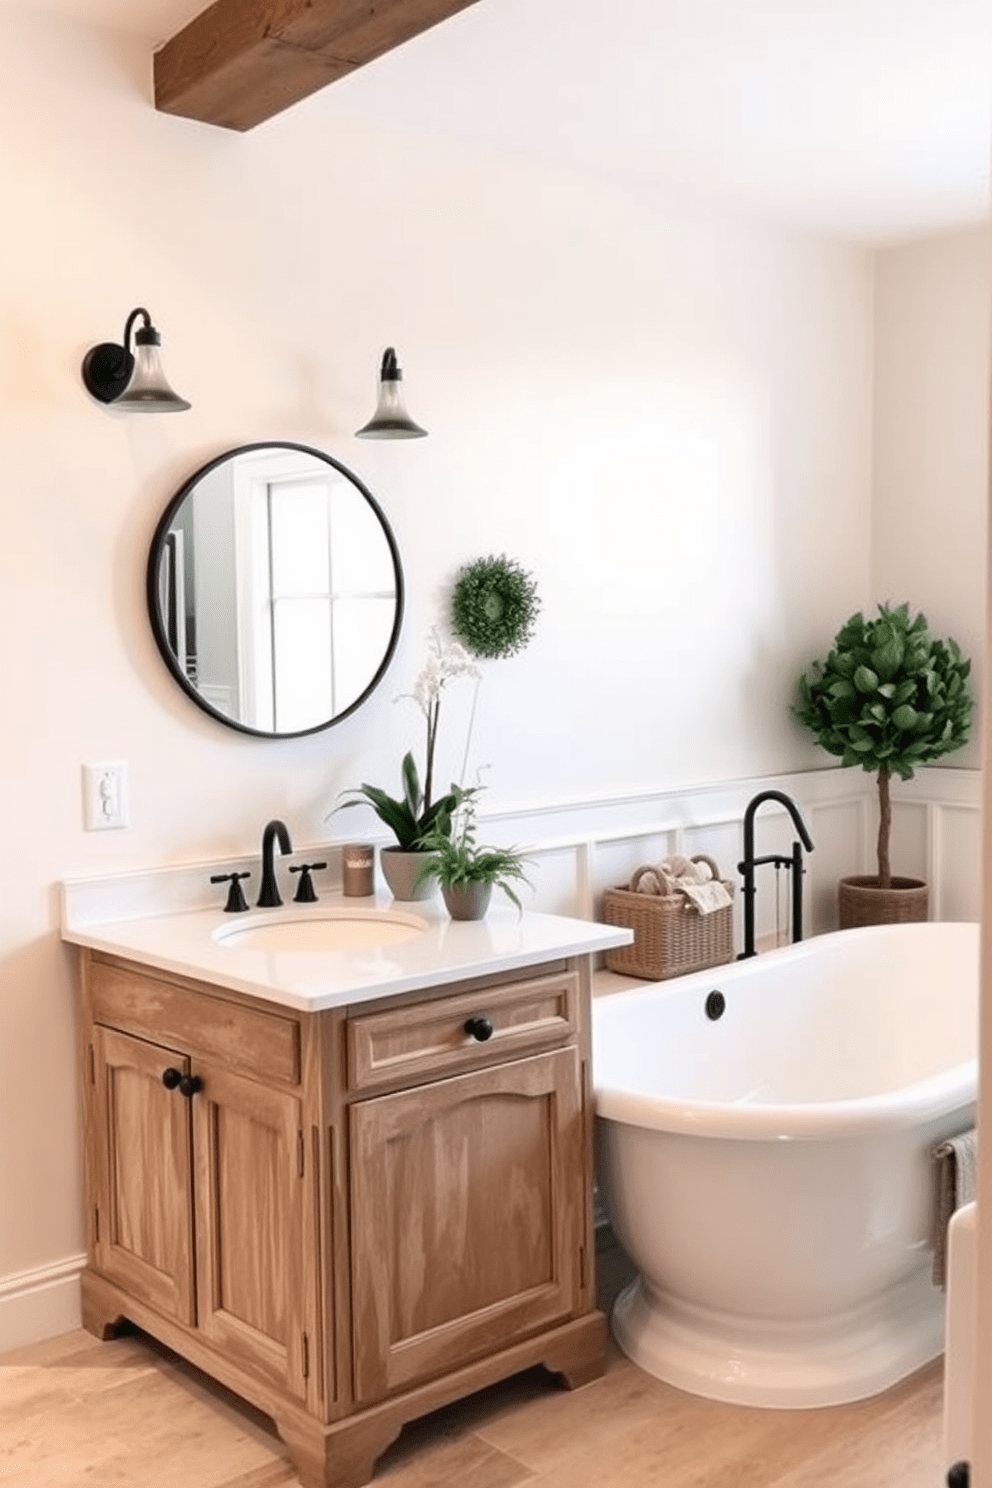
[328, 930]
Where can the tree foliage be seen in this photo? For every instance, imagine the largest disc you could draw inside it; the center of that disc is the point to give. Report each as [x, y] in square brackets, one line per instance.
[888, 697]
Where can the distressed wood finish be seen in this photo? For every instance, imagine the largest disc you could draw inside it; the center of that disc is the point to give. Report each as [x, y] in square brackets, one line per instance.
[143, 1224]
[250, 1164]
[346, 1256]
[445, 1268]
[190, 1015]
[429, 1038]
[238, 63]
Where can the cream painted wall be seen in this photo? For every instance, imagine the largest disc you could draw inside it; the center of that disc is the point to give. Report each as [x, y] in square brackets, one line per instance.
[932, 323]
[663, 413]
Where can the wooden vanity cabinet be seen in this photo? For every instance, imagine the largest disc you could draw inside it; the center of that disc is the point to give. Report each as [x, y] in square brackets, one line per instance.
[350, 1217]
[184, 1169]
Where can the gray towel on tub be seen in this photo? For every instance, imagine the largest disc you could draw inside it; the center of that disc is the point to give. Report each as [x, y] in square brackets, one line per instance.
[955, 1170]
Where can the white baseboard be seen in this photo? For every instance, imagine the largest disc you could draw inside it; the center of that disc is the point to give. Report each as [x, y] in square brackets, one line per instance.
[40, 1304]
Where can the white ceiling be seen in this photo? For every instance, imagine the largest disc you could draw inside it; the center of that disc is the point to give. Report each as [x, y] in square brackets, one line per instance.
[868, 119]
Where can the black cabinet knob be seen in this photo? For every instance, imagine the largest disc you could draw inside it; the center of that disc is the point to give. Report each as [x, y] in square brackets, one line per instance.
[189, 1085]
[171, 1078]
[479, 1028]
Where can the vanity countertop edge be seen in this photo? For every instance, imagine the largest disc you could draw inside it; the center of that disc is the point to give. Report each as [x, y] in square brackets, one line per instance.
[447, 951]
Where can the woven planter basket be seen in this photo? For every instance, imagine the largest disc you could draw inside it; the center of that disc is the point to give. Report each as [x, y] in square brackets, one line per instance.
[671, 937]
[862, 902]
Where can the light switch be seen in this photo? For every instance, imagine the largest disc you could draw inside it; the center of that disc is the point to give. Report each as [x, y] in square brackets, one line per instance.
[105, 795]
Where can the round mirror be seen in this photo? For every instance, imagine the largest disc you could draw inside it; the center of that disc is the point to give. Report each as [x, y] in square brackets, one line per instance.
[275, 589]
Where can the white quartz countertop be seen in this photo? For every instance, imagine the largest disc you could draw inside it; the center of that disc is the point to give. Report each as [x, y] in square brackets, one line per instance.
[438, 949]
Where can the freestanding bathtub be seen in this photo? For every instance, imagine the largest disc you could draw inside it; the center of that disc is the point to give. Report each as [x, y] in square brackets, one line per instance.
[766, 1166]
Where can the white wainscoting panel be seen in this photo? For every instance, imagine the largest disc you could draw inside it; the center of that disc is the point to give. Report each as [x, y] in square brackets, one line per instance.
[581, 848]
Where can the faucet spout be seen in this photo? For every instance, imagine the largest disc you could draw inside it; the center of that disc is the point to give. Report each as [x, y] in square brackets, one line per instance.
[783, 800]
[275, 831]
[750, 862]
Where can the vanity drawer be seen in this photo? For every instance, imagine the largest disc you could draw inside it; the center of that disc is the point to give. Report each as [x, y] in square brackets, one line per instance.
[430, 1038]
[265, 1046]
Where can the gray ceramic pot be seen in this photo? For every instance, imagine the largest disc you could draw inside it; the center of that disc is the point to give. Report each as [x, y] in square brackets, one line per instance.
[467, 901]
[401, 870]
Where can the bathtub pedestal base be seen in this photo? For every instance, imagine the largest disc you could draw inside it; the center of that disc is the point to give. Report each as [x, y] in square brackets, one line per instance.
[787, 1364]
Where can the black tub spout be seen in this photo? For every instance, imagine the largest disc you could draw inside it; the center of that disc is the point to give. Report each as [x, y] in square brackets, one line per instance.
[750, 862]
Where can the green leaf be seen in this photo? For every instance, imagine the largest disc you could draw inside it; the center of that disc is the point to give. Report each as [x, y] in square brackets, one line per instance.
[865, 680]
[411, 784]
[905, 717]
[888, 658]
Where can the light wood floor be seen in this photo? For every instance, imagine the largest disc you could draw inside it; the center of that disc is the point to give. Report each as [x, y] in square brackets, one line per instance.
[129, 1414]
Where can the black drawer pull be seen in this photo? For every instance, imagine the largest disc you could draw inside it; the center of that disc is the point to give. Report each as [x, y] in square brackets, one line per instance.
[189, 1085]
[479, 1029]
[171, 1078]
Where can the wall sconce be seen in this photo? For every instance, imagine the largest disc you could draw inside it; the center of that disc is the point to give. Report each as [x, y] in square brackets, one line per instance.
[390, 420]
[132, 381]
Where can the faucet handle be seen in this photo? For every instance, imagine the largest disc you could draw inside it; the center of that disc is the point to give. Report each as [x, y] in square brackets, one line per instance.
[305, 891]
[236, 901]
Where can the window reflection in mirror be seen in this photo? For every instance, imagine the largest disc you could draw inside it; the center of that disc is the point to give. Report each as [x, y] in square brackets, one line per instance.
[275, 589]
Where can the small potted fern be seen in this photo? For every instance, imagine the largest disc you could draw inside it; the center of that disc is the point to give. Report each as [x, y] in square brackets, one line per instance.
[467, 872]
[888, 697]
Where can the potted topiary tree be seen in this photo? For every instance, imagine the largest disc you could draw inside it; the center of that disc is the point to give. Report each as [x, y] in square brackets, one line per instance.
[888, 697]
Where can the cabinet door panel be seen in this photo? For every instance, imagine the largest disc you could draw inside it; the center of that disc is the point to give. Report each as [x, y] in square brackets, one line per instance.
[145, 1230]
[467, 1205]
[249, 1205]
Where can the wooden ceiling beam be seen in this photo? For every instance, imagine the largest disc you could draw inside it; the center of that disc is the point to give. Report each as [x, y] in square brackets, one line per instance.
[241, 61]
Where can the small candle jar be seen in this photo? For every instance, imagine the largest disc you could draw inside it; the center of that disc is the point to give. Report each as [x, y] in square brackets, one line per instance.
[357, 869]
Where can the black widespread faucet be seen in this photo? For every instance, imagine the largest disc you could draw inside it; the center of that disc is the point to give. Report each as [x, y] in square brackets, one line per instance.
[750, 862]
[269, 896]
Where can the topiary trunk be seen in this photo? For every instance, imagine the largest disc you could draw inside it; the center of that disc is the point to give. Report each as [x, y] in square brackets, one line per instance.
[884, 829]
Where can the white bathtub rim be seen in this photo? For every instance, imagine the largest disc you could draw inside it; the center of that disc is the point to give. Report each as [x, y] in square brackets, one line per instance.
[905, 1106]
[909, 1106]
[831, 942]
[826, 1362]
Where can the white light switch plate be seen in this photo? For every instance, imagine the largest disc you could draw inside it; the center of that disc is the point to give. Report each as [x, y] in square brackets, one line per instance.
[105, 795]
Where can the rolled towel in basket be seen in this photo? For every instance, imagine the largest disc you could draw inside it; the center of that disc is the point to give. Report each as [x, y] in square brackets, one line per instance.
[706, 897]
[692, 878]
[955, 1170]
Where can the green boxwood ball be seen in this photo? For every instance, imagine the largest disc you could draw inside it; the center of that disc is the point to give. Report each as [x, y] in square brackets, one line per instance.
[494, 607]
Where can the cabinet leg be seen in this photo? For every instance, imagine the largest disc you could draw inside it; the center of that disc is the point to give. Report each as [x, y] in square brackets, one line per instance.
[339, 1456]
[580, 1357]
[101, 1316]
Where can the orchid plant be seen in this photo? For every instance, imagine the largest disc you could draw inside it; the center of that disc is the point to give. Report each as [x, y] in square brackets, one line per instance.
[416, 816]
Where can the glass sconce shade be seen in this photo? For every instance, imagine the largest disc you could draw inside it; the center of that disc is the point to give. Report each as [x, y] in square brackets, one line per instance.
[390, 420]
[134, 381]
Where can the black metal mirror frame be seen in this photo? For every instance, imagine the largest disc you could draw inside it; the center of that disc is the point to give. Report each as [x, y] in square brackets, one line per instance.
[152, 587]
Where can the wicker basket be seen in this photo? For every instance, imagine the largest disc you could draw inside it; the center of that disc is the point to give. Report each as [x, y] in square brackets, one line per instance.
[671, 937]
